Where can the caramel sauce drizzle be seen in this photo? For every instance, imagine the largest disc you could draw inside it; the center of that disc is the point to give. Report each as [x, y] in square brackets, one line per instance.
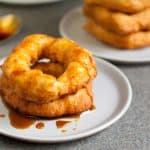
[40, 125]
[20, 121]
[62, 123]
[93, 107]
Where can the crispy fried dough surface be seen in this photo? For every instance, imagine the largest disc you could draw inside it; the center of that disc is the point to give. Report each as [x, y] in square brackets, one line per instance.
[131, 41]
[127, 6]
[39, 87]
[118, 22]
[71, 104]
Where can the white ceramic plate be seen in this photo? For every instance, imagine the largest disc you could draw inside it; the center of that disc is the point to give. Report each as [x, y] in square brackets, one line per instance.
[113, 96]
[71, 26]
[27, 1]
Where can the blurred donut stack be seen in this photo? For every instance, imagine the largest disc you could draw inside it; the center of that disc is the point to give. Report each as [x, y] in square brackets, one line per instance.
[122, 24]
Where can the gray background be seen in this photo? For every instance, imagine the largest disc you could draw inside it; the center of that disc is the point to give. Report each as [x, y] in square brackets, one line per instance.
[132, 132]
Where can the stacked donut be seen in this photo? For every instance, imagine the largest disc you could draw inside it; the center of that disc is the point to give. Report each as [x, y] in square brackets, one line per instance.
[123, 24]
[61, 86]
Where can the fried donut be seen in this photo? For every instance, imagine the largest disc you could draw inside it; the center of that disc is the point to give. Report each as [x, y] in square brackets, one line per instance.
[72, 104]
[127, 6]
[131, 41]
[39, 87]
[120, 23]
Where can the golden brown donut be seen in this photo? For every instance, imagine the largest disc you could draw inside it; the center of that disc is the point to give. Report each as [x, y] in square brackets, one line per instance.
[126, 6]
[72, 104]
[131, 41]
[39, 87]
[118, 22]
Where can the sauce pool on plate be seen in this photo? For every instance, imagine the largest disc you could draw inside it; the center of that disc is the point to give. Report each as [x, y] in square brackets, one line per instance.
[40, 125]
[20, 121]
[62, 123]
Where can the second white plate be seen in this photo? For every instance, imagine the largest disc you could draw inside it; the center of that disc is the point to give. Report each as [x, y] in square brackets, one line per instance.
[71, 26]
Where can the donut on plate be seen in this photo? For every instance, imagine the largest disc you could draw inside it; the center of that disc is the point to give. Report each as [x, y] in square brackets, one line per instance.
[39, 87]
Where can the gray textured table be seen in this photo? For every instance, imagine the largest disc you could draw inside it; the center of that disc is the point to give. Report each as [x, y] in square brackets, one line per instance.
[132, 132]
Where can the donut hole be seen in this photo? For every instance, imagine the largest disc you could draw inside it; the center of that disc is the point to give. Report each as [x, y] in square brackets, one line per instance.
[47, 67]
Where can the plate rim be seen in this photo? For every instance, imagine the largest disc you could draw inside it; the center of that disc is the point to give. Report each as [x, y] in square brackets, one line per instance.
[90, 131]
[96, 54]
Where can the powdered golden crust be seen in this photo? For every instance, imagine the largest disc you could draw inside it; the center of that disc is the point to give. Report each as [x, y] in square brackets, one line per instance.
[38, 87]
[71, 104]
[120, 23]
[127, 6]
[135, 40]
